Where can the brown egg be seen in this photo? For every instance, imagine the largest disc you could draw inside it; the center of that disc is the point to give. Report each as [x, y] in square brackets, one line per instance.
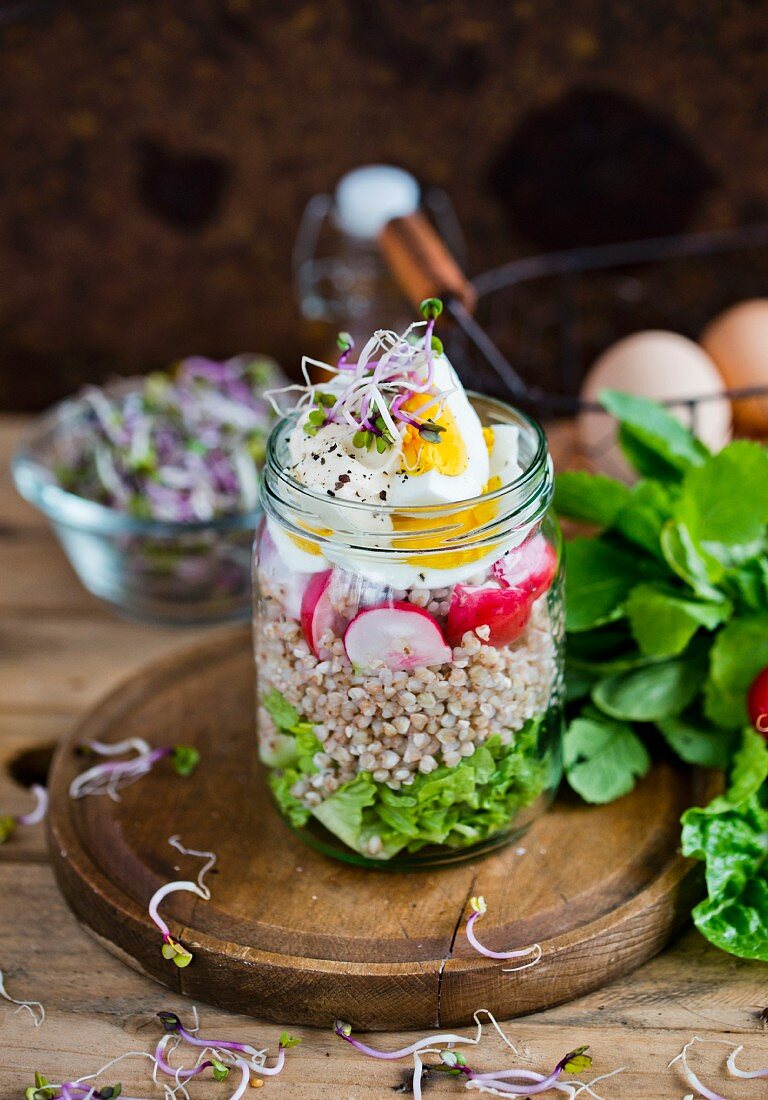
[737, 341]
[664, 366]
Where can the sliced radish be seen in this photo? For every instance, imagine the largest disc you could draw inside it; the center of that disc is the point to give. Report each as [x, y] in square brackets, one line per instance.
[531, 566]
[402, 636]
[505, 611]
[317, 612]
[288, 582]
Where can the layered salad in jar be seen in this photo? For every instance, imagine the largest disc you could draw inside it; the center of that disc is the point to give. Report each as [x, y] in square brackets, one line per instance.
[408, 609]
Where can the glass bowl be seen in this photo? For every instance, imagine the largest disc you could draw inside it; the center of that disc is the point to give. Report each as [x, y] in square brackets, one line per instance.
[169, 572]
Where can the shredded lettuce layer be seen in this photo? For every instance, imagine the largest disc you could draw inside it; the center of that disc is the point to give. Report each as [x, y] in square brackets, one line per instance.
[454, 807]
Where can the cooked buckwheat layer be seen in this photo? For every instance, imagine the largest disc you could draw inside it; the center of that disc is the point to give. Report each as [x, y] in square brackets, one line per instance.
[395, 724]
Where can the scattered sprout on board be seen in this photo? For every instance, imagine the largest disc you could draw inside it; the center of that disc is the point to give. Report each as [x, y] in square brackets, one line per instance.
[695, 1081]
[479, 907]
[171, 948]
[10, 822]
[178, 446]
[111, 776]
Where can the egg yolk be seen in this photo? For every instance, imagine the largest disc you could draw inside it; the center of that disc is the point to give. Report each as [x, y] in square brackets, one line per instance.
[463, 522]
[309, 546]
[448, 457]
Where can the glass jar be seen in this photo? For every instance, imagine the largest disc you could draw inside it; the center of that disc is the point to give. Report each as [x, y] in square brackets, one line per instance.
[410, 663]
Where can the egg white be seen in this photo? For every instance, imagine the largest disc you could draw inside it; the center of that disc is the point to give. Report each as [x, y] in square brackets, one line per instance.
[432, 487]
[294, 558]
[503, 459]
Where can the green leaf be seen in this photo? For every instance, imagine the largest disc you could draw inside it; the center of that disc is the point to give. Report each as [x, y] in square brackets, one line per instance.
[578, 1060]
[285, 716]
[663, 622]
[185, 759]
[725, 500]
[731, 836]
[690, 561]
[653, 440]
[747, 584]
[603, 758]
[599, 577]
[739, 653]
[698, 743]
[590, 497]
[649, 694]
[288, 1041]
[643, 517]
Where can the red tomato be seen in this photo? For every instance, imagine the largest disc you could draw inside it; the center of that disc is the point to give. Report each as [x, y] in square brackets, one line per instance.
[757, 703]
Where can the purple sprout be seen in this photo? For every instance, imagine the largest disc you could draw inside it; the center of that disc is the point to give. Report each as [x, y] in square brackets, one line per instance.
[479, 907]
[171, 948]
[174, 1026]
[113, 775]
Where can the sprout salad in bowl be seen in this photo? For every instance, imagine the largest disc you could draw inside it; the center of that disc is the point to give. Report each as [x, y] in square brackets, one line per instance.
[152, 485]
[408, 610]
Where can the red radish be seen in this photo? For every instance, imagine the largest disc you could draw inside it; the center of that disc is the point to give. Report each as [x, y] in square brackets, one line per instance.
[532, 565]
[505, 611]
[757, 703]
[317, 613]
[401, 635]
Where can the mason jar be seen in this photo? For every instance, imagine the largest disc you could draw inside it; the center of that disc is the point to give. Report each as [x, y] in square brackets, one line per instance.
[409, 662]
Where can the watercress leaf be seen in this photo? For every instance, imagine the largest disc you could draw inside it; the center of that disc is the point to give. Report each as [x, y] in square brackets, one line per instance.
[690, 561]
[590, 497]
[641, 520]
[725, 500]
[748, 773]
[599, 578]
[649, 694]
[740, 651]
[653, 440]
[747, 584]
[603, 758]
[698, 743]
[663, 622]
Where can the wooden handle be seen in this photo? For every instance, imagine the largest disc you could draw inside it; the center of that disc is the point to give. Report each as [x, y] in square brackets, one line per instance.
[421, 264]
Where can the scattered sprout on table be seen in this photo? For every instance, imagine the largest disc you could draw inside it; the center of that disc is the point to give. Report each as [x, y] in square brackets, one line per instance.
[34, 1008]
[254, 1060]
[9, 822]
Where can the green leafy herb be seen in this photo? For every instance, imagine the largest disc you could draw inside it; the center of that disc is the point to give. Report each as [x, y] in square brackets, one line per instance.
[599, 579]
[590, 497]
[649, 693]
[739, 653]
[654, 441]
[603, 758]
[663, 621]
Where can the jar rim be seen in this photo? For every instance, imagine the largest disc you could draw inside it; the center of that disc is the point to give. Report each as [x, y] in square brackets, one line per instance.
[523, 501]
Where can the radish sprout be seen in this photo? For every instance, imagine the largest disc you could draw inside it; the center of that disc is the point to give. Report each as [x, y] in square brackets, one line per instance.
[479, 907]
[746, 1074]
[171, 948]
[256, 1058]
[690, 1076]
[9, 822]
[37, 1016]
[110, 777]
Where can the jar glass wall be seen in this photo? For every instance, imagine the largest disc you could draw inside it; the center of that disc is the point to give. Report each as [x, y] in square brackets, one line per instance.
[410, 664]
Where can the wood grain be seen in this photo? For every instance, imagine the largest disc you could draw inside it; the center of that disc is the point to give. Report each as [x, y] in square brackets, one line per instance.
[98, 1008]
[296, 937]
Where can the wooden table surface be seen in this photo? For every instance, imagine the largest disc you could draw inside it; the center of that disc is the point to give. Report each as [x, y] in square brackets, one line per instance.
[60, 650]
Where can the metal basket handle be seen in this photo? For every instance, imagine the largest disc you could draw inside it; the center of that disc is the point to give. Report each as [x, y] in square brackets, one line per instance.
[421, 263]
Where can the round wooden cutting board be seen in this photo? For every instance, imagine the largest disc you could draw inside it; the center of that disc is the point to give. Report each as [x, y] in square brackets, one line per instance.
[296, 937]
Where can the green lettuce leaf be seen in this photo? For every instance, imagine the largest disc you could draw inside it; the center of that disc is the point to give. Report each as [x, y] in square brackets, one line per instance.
[731, 836]
[602, 758]
[455, 807]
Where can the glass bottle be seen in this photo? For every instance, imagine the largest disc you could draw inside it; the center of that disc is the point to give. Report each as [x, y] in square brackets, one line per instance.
[447, 744]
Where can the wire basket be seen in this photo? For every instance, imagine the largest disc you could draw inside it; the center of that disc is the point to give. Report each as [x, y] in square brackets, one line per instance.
[548, 317]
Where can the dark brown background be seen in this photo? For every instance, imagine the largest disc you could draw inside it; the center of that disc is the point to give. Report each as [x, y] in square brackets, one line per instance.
[156, 154]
